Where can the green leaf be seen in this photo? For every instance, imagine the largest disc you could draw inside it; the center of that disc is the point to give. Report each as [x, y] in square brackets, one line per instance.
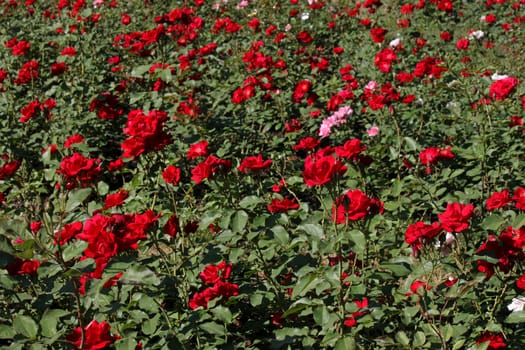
[419, 339]
[25, 326]
[140, 70]
[305, 284]
[399, 269]
[239, 221]
[314, 230]
[6, 332]
[213, 328]
[75, 198]
[102, 188]
[256, 299]
[359, 240]
[516, 317]
[126, 344]
[250, 202]
[222, 314]
[49, 321]
[74, 250]
[402, 338]
[519, 221]
[346, 343]
[140, 274]
[279, 232]
[492, 222]
[150, 326]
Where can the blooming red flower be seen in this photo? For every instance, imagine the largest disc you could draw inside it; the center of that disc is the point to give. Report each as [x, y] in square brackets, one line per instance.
[115, 199]
[29, 111]
[172, 226]
[68, 232]
[350, 150]
[69, 51]
[416, 285]
[283, 205]
[145, 132]
[79, 169]
[171, 175]
[519, 198]
[354, 205]
[495, 341]
[498, 200]
[520, 282]
[22, 267]
[378, 34]
[418, 233]
[199, 149]
[383, 60]
[501, 89]
[306, 144]
[209, 167]
[96, 336]
[254, 164]
[71, 140]
[462, 44]
[456, 217]
[321, 169]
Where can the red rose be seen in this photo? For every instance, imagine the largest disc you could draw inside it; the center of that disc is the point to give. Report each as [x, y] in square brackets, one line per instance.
[96, 336]
[171, 175]
[520, 283]
[214, 273]
[283, 205]
[115, 199]
[456, 217]
[383, 60]
[23, 267]
[145, 133]
[519, 198]
[69, 51]
[172, 226]
[199, 149]
[77, 168]
[495, 341]
[71, 140]
[353, 205]
[68, 232]
[462, 44]
[209, 167]
[319, 170]
[498, 200]
[419, 232]
[378, 34]
[350, 150]
[306, 144]
[501, 89]
[254, 164]
[304, 37]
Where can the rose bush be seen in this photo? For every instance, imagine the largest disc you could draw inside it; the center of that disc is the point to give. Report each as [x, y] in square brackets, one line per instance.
[262, 174]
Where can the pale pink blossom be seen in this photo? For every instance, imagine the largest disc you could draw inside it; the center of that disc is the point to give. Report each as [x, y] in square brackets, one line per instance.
[373, 131]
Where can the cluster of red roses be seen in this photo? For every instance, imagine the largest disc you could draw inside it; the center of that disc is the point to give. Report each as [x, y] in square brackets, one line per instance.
[454, 219]
[432, 155]
[146, 132]
[215, 277]
[106, 105]
[502, 199]
[107, 236]
[79, 170]
[32, 108]
[9, 167]
[322, 167]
